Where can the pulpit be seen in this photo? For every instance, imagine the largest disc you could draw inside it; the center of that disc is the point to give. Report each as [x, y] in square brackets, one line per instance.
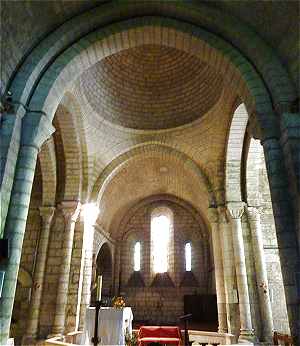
[112, 325]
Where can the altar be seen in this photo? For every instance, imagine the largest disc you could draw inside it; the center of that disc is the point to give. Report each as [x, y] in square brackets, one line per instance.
[112, 325]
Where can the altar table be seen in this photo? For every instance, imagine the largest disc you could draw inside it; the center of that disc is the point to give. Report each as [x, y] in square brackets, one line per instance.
[112, 325]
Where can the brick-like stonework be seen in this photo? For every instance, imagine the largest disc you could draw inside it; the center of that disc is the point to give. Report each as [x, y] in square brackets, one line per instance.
[157, 82]
[258, 194]
[142, 95]
[158, 303]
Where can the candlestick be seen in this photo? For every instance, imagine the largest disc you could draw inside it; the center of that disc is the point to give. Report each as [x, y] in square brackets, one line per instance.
[99, 288]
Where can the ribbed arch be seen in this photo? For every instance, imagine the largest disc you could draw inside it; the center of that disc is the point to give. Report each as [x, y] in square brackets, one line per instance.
[73, 107]
[47, 160]
[72, 154]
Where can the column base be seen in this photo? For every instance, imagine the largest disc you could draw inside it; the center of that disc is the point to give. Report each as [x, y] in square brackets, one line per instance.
[29, 340]
[54, 335]
[222, 330]
[247, 337]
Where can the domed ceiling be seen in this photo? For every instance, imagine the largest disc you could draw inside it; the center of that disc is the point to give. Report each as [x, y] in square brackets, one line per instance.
[151, 87]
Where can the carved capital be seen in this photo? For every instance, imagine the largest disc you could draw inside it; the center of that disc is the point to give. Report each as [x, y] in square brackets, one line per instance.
[264, 127]
[70, 210]
[254, 128]
[254, 213]
[38, 128]
[223, 218]
[47, 214]
[235, 210]
[213, 215]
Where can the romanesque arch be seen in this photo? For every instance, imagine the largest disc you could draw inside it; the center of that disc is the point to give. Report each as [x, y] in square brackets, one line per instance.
[37, 88]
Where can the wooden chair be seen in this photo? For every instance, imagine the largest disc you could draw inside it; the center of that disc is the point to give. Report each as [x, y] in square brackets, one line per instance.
[185, 319]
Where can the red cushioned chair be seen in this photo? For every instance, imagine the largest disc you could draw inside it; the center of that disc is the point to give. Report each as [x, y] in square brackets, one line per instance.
[162, 335]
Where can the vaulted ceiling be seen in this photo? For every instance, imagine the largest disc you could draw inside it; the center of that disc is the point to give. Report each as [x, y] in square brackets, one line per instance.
[146, 120]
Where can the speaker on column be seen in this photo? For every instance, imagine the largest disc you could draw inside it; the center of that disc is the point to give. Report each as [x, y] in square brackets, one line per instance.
[4, 249]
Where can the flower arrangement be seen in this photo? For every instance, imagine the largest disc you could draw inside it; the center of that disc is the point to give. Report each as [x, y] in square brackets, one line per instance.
[131, 340]
[118, 302]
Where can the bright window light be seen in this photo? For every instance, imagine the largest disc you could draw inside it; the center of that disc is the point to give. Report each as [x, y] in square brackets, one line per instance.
[188, 257]
[91, 212]
[137, 256]
[160, 229]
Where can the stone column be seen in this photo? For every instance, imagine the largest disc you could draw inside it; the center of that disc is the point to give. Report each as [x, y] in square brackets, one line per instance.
[87, 276]
[235, 212]
[229, 274]
[261, 273]
[36, 128]
[70, 210]
[117, 269]
[39, 273]
[219, 274]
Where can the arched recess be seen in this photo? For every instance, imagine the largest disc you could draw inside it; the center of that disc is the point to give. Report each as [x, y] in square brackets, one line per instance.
[173, 199]
[151, 171]
[145, 150]
[234, 153]
[136, 226]
[201, 15]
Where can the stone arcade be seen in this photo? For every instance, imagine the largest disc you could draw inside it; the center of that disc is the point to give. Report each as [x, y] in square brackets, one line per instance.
[124, 122]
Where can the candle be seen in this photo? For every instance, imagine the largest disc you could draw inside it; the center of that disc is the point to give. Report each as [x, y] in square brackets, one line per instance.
[99, 287]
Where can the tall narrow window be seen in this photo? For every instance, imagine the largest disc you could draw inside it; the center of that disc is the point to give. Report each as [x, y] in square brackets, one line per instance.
[188, 257]
[137, 256]
[160, 235]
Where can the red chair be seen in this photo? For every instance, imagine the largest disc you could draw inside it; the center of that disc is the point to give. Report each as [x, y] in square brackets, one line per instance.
[162, 335]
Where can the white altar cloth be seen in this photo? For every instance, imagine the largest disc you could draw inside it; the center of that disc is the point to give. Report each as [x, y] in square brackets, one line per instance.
[112, 325]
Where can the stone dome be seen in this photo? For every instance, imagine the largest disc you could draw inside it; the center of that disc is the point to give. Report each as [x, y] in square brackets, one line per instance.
[151, 87]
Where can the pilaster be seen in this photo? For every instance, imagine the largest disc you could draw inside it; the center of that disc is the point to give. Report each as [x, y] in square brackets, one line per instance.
[229, 273]
[38, 279]
[219, 274]
[70, 210]
[253, 214]
[235, 211]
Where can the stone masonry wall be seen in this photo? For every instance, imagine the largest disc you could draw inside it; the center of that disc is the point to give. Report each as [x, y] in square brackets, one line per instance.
[164, 304]
[259, 194]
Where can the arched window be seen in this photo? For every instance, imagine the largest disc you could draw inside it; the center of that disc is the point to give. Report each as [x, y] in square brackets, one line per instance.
[160, 237]
[137, 256]
[188, 257]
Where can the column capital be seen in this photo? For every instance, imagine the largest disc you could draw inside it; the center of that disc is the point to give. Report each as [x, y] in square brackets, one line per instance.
[70, 210]
[223, 217]
[235, 210]
[265, 126]
[254, 212]
[46, 214]
[36, 129]
[213, 215]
